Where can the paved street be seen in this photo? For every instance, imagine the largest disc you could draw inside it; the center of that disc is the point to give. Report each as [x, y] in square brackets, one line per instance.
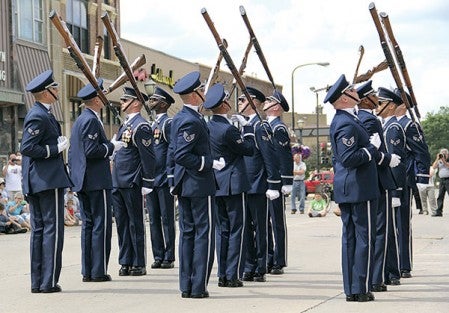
[312, 282]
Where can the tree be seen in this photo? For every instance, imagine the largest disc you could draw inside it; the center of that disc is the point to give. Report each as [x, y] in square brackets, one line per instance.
[435, 127]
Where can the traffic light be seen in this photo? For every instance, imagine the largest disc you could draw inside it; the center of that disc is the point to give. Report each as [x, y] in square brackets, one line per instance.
[322, 150]
[329, 149]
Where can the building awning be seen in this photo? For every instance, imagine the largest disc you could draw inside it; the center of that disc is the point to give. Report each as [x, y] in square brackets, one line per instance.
[32, 61]
[10, 97]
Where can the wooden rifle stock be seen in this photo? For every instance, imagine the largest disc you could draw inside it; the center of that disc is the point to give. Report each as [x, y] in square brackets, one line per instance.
[230, 63]
[400, 60]
[389, 57]
[138, 62]
[97, 55]
[257, 45]
[242, 67]
[123, 61]
[80, 61]
[213, 75]
[361, 53]
[376, 69]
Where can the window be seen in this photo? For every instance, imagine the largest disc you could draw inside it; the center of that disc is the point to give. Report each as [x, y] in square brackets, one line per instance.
[77, 23]
[106, 45]
[75, 108]
[29, 23]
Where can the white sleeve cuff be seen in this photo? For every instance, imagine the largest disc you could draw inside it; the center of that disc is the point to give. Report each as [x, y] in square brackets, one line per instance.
[48, 151]
[382, 158]
[202, 164]
[369, 154]
[107, 150]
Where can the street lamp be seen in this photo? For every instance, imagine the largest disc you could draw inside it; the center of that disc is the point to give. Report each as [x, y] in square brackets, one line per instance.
[316, 91]
[293, 85]
[300, 127]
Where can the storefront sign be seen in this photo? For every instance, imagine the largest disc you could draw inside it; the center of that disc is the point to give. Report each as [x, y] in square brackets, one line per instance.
[2, 60]
[160, 78]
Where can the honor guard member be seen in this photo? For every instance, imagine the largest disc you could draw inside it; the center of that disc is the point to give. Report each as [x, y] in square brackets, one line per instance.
[44, 178]
[227, 143]
[418, 166]
[160, 202]
[369, 102]
[192, 179]
[395, 144]
[274, 107]
[355, 186]
[132, 179]
[90, 172]
[265, 181]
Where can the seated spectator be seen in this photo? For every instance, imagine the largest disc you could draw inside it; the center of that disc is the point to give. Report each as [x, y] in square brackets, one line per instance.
[70, 195]
[70, 218]
[19, 211]
[7, 224]
[3, 192]
[317, 206]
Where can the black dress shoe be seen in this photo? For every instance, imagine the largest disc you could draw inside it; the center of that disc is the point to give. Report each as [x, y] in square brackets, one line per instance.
[379, 288]
[365, 297]
[393, 282]
[437, 214]
[406, 274]
[185, 294]
[156, 264]
[222, 282]
[124, 270]
[101, 278]
[35, 290]
[277, 270]
[138, 271]
[351, 298]
[248, 276]
[168, 264]
[56, 288]
[420, 212]
[87, 279]
[260, 278]
[200, 295]
[234, 283]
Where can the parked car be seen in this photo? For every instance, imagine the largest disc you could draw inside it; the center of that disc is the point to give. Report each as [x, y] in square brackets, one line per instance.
[319, 180]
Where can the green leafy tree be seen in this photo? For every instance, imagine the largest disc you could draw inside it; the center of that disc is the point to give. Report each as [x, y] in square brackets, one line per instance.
[435, 130]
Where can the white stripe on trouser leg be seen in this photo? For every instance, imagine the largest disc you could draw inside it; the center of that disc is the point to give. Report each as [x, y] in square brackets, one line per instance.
[410, 251]
[144, 230]
[266, 229]
[395, 230]
[368, 267]
[105, 230]
[242, 233]
[387, 213]
[209, 237]
[55, 253]
[285, 232]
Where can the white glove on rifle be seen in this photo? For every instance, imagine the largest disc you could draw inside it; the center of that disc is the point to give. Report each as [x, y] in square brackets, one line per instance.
[118, 144]
[146, 191]
[63, 143]
[395, 202]
[218, 165]
[237, 118]
[272, 194]
[395, 160]
[286, 189]
[375, 140]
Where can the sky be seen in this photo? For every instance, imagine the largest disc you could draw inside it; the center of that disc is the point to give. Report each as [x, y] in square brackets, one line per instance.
[296, 32]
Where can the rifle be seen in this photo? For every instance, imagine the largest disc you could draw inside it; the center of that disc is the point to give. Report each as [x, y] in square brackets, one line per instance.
[230, 63]
[361, 53]
[123, 61]
[138, 62]
[242, 67]
[400, 60]
[97, 56]
[80, 61]
[213, 75]
[376, 69]
[389, 57]
[257, 45]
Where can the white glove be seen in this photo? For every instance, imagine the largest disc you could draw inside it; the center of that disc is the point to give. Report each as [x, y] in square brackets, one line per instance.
[375, 140]
[218, 165]
[286, 189]
[146, 191]
[395, 160]
[395, 202]
[237, 118]
[421, 187]
[272, 194]
[171, 190]
[118, 144]
[63, 143]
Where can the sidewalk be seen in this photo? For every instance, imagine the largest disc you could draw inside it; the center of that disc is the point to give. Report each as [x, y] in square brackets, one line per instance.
[312, 282]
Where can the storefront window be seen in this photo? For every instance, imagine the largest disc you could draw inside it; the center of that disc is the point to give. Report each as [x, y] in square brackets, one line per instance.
[77, 23]
[29, 24]
[75, 108]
